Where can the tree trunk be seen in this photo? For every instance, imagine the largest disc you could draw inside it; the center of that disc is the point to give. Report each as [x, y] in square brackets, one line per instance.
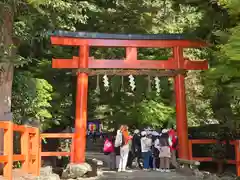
[6, 66]
[220, 167]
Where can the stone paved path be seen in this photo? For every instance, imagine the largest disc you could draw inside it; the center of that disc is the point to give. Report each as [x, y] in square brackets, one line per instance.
[143, 175]
[19, 175]
[112, 175]
[136, 174]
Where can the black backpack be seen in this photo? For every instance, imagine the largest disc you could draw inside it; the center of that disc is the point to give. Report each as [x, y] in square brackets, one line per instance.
[123, 140]
[155, 152]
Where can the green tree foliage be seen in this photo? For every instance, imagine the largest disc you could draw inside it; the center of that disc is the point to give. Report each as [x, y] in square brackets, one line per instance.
[31, 99]
[34, 18]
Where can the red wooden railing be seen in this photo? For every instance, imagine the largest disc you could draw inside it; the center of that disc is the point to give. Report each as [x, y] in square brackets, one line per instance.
[30, 149]
[31, 153]
[236, 144]
[54, 136]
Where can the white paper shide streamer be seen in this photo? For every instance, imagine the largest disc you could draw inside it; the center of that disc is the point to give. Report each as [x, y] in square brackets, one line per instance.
[106, 82]
[157, 85]
[132, 82]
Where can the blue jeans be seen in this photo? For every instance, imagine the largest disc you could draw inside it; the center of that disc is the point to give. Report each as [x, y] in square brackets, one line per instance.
[146, 159]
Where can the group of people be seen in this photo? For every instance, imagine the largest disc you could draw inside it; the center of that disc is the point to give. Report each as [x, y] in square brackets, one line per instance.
[157, 150]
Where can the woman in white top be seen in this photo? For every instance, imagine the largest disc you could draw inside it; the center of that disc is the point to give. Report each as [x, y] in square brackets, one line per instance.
[146, 144]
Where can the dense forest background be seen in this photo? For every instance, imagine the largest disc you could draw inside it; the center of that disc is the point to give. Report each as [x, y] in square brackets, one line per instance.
[35, 92]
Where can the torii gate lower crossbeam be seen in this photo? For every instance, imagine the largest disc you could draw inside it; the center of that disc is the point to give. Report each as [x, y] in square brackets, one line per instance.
[131, 42]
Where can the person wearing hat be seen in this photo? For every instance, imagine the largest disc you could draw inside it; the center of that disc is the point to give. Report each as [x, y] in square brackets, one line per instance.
[146, 144]
[155, 151]
[164, 151]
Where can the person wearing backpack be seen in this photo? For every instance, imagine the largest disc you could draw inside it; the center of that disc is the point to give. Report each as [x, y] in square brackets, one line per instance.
[136, 149]
[108, 150]
[122, 141]
[164, 151]
[155, 152]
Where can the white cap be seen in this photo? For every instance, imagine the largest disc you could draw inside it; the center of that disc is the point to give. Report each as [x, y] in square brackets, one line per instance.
[143, 133]
[155, 133]
[136, 131]
[164, 131]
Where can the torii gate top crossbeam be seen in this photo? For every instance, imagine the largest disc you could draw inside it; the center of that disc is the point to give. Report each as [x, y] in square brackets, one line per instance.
[90, 35]
[131, 42]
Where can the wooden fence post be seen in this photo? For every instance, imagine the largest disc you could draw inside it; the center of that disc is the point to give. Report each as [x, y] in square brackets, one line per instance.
[72, 151]
[8, 150]
[25, 150]
[190, 149]
[237, 157]
[36, 162]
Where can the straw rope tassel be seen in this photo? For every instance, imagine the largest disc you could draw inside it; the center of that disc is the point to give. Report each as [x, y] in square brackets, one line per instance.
[149, 84]
[97, 90]
[122, 84]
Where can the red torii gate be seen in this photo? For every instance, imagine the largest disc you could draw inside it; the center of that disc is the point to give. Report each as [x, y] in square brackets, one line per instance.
[131, 42]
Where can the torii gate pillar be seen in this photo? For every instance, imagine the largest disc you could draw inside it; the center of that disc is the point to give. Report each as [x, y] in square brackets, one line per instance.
[181, 116]
[181, 111]
[81, 108]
